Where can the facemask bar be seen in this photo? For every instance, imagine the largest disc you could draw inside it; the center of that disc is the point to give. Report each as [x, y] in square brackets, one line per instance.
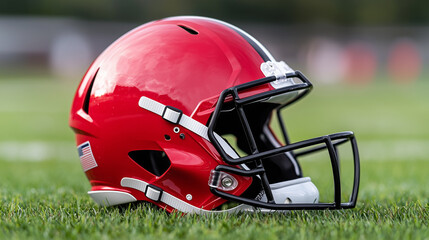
[328, 142]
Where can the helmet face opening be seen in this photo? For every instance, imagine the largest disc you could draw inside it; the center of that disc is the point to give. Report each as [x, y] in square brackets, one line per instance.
[177, 112]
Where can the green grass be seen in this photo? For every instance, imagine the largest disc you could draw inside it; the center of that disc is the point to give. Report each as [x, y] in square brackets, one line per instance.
[45, 197]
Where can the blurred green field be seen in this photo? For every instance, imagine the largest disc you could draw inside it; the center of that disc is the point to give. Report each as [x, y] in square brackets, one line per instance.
[43, 190]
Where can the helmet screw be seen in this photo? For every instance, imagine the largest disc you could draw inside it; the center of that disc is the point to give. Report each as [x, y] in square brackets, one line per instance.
[189, 197]
[182, 136]
[227, 182]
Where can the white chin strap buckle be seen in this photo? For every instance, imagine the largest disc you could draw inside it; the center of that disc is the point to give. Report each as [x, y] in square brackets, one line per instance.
[153, 193]
[172, 114]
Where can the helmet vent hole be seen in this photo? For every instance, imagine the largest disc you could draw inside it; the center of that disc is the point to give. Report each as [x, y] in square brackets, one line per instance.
[189, 30]
[155, 162]
[167, 137]
[85, 106]
[176, 129]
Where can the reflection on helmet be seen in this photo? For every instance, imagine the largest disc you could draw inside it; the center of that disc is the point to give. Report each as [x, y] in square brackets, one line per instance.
[177, 113]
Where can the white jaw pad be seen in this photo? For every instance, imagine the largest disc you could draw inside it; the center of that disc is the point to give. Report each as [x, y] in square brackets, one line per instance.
[300, 190]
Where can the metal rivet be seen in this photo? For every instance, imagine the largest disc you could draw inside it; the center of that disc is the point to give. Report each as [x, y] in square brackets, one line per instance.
[227, 182]
[182, 136]
[189, 197]
[176, 129]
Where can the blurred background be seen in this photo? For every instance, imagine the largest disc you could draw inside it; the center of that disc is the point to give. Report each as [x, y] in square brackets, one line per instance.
[354, 41]
[367, 60]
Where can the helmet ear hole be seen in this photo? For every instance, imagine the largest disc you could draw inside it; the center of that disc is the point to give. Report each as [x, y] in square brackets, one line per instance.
[155, 162]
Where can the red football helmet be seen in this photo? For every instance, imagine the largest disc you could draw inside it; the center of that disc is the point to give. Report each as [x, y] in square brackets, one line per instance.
[150, 113]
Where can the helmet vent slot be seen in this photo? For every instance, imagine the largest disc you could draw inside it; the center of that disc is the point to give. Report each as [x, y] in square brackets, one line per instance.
[85, 106]
[189, 30]
[155, 162]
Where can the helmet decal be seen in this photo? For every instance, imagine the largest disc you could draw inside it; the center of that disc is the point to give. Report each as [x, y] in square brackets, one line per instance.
[86, 156]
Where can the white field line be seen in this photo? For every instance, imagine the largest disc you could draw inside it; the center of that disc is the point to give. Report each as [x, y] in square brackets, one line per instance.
[397, 150]
[392, 150]
[37, 151]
